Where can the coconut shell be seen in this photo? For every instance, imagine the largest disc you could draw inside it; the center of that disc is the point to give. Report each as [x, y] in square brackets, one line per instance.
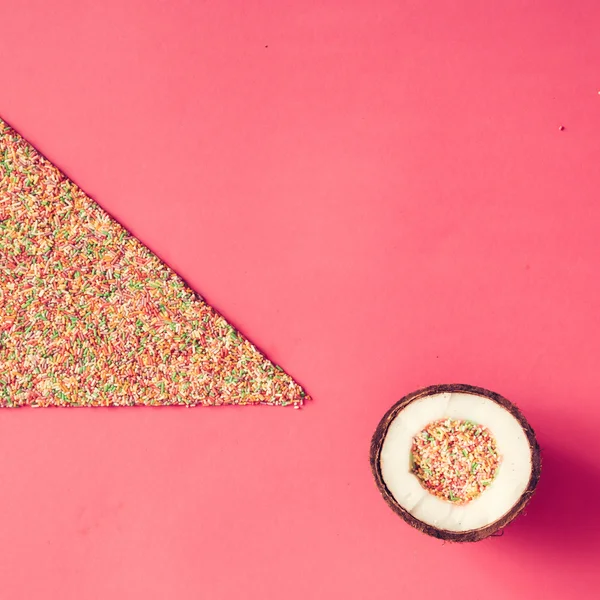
[473, 535]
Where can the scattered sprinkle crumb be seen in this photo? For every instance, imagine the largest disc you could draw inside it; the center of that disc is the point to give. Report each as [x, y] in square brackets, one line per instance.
[91, 317]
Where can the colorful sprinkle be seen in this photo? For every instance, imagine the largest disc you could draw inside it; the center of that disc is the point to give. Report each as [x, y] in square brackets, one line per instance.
[455, 460]
[91, 317]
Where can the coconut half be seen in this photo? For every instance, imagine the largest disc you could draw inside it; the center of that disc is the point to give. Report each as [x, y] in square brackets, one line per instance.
[516, 474]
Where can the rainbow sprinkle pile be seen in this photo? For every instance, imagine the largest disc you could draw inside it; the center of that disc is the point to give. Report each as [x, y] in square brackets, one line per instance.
[90, 317]
[455, 460]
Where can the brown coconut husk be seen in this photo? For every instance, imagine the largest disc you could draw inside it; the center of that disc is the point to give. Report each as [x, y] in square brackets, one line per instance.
[473, 535]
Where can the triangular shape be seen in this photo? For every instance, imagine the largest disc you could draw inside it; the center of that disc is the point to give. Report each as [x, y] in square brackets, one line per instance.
[91, 317]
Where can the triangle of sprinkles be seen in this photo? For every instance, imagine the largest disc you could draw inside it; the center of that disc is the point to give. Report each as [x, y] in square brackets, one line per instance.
[91, 317]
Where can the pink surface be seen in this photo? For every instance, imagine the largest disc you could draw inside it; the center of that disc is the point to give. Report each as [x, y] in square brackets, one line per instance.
[379, 195]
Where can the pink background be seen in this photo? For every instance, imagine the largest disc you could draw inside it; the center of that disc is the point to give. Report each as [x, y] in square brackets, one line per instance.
[379, 196]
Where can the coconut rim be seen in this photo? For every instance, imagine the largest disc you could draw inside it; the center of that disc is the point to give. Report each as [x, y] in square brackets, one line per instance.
[472, 535]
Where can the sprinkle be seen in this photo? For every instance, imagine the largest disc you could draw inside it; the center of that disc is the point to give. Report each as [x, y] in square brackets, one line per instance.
[459, 463]
[90, 317]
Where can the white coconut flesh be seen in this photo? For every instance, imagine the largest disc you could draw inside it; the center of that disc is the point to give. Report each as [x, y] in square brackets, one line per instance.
[496, 500]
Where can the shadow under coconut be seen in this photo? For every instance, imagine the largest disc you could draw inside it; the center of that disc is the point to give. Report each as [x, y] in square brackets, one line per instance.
[563, 512]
